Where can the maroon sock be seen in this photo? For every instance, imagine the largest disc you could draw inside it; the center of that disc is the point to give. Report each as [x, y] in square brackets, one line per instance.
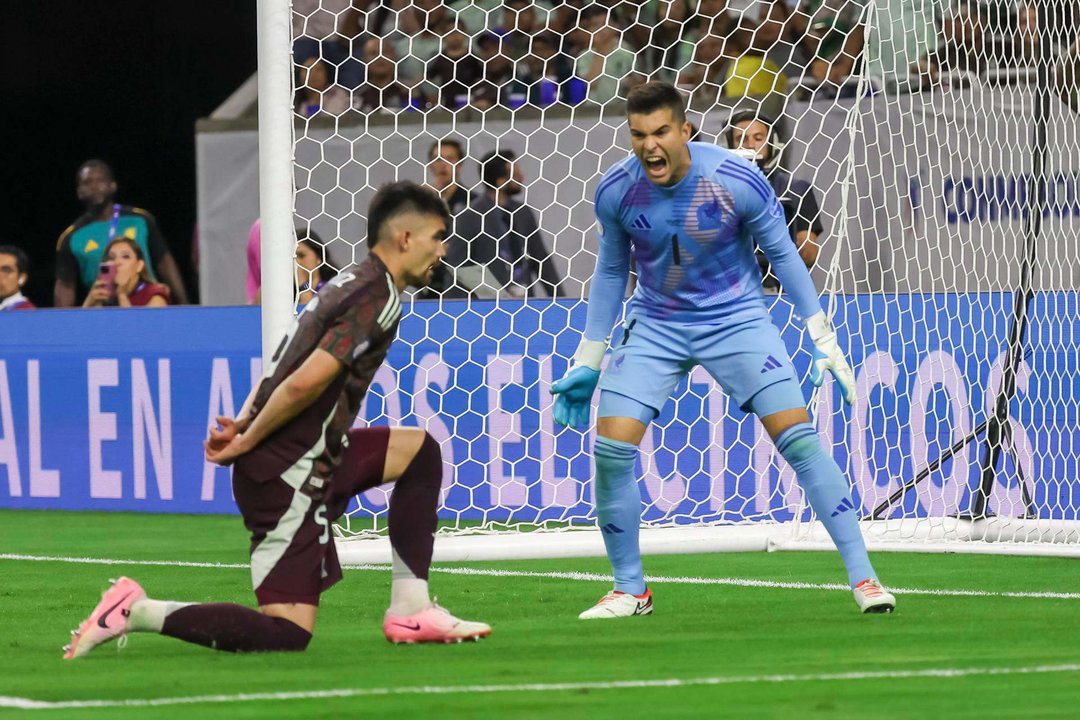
[413, 506]
[234, 628]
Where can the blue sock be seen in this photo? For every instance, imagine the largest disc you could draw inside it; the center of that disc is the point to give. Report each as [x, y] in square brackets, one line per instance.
[829, 496]
[618, 510]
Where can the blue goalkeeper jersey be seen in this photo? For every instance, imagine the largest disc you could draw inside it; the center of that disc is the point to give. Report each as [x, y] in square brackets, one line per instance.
[692, 243]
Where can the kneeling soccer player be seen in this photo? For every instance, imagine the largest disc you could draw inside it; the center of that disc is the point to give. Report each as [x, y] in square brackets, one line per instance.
[691, 213]
[297, 463]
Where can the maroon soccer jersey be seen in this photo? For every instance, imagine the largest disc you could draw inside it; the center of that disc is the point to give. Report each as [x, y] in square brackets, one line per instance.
[354, 318]
[146, 291]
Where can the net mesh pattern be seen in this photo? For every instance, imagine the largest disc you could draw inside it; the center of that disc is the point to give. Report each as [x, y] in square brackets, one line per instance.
[920, 151]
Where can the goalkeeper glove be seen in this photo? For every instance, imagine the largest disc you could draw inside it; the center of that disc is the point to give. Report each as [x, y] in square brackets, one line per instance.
[827, 356]
[573, 392]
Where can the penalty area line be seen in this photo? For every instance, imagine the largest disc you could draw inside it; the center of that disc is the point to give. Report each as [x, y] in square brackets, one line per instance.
[942, 673]
[577, 577]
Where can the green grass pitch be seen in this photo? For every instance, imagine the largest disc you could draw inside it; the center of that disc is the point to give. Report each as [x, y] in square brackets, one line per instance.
[729, 650]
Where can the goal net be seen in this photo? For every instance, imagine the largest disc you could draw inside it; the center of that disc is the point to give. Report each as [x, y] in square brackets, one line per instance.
[926, 158]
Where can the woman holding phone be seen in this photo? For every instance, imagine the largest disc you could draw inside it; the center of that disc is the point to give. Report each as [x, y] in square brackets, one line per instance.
[123, 281]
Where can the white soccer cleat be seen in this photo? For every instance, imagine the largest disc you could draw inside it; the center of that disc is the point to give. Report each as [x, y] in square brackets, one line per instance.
[107, 621]
[433, 624]
[872, 598]
[619, 604]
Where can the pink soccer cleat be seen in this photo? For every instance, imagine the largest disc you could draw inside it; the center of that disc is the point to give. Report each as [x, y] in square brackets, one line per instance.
[433, 624]
[108, 620]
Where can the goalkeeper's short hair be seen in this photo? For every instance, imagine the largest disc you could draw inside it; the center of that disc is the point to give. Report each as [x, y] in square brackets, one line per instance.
[653, 96]
[400, 198]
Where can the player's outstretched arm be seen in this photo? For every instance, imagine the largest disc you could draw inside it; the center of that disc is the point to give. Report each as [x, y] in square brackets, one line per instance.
[574, 391]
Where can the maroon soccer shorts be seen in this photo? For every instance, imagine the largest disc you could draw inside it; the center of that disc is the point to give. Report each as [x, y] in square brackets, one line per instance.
[293, 558]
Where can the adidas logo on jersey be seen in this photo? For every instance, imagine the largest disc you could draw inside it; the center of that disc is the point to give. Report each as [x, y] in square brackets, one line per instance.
[771, 363]
[843, 507]
[611, 529]
[641, 223]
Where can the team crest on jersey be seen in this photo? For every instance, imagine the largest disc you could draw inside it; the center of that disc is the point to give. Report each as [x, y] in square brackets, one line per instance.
[710, 216]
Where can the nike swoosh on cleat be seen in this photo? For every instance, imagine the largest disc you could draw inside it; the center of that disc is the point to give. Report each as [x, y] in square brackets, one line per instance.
[105, 615]
[414, 628]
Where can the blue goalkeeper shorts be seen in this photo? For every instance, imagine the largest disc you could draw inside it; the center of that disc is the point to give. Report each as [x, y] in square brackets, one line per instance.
[651, 356]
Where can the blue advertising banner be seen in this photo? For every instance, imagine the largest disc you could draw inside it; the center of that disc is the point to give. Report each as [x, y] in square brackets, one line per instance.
[107, 410]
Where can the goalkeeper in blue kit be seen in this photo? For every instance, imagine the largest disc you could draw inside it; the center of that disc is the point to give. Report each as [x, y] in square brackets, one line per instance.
[690, 213]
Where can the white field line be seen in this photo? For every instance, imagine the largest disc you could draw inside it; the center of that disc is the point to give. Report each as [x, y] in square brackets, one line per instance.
[944, 673]
[579, 576]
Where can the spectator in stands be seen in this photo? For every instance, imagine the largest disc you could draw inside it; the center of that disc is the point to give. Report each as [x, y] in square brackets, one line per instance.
[567, 24]
[14, 267]
[498, 74]
[1025, 43]
[756, 137]
[501, 237]
[364, 19]
[608, 65]
[679, 39]
[714, 54]
[963, 48]
[827, 39]
[457, 72]
[423, 23]
[316, 92]
[543, 73]
[518, 27]
[312, 269]
[481, 16]
[253, 286]
[123, 281]
[81, 247]
[381, 89]
[446, 158]
[315, 29]
[637, 20]
[478, 16]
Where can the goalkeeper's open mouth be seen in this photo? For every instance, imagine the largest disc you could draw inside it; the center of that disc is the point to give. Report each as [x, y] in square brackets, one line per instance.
[656, 166]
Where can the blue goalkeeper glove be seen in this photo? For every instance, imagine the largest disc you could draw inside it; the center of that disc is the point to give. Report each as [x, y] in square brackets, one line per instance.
[573, 392]
[827, 357]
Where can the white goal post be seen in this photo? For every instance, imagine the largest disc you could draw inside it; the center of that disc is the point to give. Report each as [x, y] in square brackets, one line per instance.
[948, 255]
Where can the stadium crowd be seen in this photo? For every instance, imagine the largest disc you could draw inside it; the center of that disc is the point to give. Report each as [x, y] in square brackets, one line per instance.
[372, 56]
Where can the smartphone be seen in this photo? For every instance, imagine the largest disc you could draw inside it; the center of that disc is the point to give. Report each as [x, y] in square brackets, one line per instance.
[107, 275]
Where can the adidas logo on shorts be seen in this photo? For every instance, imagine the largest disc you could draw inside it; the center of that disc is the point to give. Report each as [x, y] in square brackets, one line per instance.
[771, 363]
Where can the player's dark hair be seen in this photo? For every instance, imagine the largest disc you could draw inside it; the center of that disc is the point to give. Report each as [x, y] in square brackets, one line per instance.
[495, 165]
[22, 263]
[400, 198]
[95, 163]
[653, 96]
[311, 240]
[433, 151]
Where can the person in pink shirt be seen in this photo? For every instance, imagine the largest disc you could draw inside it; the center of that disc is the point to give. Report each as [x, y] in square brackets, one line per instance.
[254, 259]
